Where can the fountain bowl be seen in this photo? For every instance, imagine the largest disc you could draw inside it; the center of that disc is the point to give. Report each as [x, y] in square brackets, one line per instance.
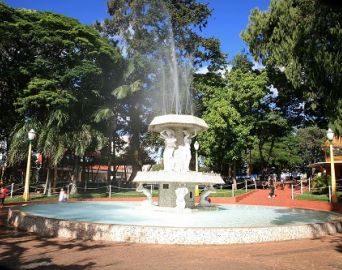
[177, 121]
[169, 227]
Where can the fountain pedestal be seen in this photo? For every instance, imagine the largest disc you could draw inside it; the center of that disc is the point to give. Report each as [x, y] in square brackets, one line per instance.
[168, 182]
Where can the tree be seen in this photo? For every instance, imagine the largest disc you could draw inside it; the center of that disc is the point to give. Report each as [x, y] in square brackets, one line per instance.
[280, 155]
[310, 141]
[302, 39]
[61, 72]
[231, 106]
[270, 130]
[145, 29]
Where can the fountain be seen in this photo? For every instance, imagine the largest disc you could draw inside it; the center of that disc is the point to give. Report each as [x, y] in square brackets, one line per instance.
[176, 182]
[176, 220]
[177, 126]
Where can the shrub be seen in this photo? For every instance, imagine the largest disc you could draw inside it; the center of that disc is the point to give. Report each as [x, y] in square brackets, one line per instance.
[320, 183]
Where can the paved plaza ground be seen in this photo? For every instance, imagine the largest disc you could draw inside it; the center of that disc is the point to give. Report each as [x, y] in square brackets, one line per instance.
[21, 250]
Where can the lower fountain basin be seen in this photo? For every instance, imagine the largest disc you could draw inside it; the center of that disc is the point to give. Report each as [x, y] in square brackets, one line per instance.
[130, 222]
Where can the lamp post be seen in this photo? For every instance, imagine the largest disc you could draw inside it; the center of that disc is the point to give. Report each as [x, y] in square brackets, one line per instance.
[196, 146]
[26, 196]
[330, 136]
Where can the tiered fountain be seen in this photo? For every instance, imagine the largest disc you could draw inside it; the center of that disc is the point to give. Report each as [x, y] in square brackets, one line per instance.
[177, 126]
[129, 222]
[176, 182]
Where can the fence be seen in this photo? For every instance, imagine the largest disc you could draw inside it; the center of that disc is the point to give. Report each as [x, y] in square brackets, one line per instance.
[108, 189]
[299, 188]
[243, 186]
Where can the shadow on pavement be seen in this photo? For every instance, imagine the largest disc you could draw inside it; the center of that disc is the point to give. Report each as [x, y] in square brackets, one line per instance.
[16, 246]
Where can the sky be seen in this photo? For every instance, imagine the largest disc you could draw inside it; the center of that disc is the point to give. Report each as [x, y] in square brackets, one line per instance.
[229, 17]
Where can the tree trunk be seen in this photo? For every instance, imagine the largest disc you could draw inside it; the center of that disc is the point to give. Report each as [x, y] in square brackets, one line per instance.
[47, 188]
[55, 175]
[231, 175]
[76, 176]
[135, 140]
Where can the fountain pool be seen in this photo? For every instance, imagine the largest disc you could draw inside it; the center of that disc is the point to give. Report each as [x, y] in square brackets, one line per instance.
[131, 222]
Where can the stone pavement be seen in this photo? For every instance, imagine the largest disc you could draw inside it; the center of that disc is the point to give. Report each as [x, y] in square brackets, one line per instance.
[21, 250]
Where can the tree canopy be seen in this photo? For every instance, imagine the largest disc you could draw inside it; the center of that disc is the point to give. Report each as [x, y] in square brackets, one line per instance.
[54, 74]
[303, 39]
[146, 30]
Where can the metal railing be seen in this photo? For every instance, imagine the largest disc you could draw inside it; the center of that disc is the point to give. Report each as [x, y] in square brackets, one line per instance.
[243, 186]
[108, 189]
[300, 188]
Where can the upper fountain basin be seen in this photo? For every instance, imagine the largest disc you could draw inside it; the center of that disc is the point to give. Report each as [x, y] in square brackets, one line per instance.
[178, 121]
[154, 177]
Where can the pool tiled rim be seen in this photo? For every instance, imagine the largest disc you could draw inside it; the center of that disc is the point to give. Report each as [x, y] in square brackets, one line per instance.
[167, 235]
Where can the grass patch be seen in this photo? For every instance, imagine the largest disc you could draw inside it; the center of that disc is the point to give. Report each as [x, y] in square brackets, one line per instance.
[309, 196]
[33, 197]
[227, 193]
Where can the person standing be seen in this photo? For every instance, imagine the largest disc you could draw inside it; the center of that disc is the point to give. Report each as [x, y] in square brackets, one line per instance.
[62, 196]
[271, 187]
[3, 194]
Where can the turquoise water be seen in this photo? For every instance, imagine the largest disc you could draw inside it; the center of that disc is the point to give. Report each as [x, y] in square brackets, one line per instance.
[133, 213]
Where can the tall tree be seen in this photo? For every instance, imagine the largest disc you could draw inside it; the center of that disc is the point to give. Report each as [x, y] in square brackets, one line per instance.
[231, 106]
[143, 28]
[65, 72]
[303, 39]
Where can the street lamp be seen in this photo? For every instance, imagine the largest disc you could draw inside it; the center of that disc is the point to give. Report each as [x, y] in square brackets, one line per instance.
[196, 146]
[330, 136]
[26, 196]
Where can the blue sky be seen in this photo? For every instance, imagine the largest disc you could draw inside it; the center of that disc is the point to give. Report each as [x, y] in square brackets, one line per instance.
[229, 17]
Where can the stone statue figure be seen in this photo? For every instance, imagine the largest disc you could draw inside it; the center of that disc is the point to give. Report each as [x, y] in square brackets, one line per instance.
[146, 192]
[170, 144]
[182, 154]
[204, 195]
[187, 150]
[180, 193]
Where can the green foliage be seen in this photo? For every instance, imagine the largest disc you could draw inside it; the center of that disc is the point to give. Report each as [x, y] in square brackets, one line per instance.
[320, 183]
[230, 109]
[311, 140]
[283, 153]
[54, 73]
[303, 39]
[41, 96]
[313, 197]
[143, 24]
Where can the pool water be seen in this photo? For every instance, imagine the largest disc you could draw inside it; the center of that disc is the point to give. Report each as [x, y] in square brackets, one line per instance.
[132, 213]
